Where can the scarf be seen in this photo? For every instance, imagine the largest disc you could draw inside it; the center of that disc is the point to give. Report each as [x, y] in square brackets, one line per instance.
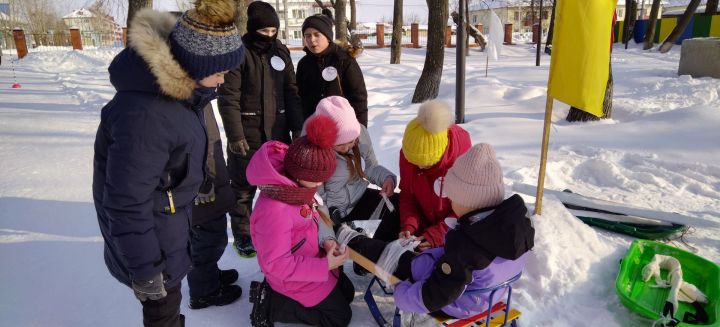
[289, 194]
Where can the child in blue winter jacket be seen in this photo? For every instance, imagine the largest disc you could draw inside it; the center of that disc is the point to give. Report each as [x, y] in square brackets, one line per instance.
[487, 245]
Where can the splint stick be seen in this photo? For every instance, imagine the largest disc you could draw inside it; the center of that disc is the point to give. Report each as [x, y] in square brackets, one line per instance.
[357, 257]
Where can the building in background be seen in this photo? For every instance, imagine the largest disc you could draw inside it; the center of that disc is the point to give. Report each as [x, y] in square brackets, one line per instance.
[297, 11]
[520, 13]
[96, 28]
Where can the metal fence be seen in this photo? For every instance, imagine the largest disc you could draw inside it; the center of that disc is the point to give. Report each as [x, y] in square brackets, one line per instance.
[101, 40]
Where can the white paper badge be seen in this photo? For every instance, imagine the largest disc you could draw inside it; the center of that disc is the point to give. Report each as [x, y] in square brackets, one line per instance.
[329, 74]
[277, 63]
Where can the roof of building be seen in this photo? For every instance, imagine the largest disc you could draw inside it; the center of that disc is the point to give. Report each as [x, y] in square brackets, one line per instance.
[80, 13]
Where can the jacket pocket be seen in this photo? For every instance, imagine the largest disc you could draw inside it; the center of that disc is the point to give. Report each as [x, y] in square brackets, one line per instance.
[297, 246]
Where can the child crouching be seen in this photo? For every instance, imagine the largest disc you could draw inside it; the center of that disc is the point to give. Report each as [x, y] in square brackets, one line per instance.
[487, 245]
[303, 284]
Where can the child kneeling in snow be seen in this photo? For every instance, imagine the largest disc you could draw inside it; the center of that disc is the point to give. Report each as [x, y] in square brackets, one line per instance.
[486, 246]
[303, 284]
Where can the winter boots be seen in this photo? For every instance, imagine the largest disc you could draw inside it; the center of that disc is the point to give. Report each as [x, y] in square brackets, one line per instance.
[228, 277]
[244, 247]
[260, 298]
[226, 294]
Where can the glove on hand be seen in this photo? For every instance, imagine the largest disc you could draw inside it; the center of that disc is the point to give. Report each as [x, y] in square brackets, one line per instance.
[153, 289]
[239, 147]
[206, 194]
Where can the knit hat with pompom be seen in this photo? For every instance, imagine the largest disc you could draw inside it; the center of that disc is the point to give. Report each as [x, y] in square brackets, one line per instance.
[311, 157]
[205, 40]
[426, 136]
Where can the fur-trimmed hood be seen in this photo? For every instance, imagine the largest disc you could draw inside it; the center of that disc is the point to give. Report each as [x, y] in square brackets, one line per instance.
[148, 41]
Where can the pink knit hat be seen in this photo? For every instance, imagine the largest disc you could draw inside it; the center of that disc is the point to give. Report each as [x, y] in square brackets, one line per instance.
[340, 111]
[476, 180]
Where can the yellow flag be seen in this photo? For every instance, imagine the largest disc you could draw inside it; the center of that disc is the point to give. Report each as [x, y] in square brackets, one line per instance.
[581, 53]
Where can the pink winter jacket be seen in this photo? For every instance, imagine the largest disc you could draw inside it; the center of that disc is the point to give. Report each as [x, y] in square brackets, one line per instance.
[285, 241]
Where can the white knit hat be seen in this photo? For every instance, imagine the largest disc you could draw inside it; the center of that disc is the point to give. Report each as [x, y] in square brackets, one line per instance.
[476, 180]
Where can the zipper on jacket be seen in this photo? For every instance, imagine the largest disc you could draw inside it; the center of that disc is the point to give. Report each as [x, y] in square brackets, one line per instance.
[297, 246]
[172, 203]
[171, 207]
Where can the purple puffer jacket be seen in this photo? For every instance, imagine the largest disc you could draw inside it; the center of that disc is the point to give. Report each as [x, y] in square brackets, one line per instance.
[408, 296]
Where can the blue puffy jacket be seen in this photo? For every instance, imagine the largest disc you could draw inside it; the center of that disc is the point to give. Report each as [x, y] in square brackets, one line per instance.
[151, 141]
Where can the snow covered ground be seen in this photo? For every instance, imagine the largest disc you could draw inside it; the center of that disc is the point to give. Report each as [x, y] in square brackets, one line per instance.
[659, 151]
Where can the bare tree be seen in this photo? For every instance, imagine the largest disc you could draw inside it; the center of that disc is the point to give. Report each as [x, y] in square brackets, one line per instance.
[576, 114]
[682, 23]
[285, 19]
[353, 16]
[40, 15]
[134, 6]
[413, 17]
[471, 30]
[396, 43]
[630, 13]
[241, 16]
[341, 22]
[101, 20]
[650, 32]
[711, 6]
[428, 85]
[551, 28]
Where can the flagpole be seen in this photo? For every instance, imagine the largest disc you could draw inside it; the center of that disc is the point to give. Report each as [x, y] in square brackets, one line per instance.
[543, 155]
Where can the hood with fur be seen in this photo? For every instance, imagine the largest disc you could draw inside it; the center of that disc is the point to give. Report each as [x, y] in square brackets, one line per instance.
[148, 40]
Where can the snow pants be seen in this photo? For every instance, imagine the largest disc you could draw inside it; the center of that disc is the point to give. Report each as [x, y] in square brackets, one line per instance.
[164, 312]
[207, 244]
[389, 227]
[334, 310]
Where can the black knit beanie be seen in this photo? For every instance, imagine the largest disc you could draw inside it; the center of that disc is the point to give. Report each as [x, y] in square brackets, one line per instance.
[321, 22]
[261, 15]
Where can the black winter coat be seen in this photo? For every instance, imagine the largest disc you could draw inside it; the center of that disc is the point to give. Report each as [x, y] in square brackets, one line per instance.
[507, 233]
[217, 175]
[349, 83]
[150, 141]
[257, 102]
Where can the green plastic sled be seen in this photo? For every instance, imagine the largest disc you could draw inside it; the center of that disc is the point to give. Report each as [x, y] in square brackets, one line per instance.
[648, 301]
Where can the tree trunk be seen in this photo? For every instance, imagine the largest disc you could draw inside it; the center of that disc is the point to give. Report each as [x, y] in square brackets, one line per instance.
[241, 16]
[428, 85]
[711, 6]
[396, 43]
[650, 32]
[134, 6]
[576, 114]
[682, 23]
[471, 30]
[353, 16]
[467, 23]
[548, 42]
[285, 20]
[630, 12]
[341, 24]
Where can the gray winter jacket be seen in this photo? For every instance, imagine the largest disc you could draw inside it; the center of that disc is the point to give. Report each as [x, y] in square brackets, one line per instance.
[342, 193]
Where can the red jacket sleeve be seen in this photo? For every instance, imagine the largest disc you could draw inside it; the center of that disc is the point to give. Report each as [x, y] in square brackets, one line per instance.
[409, 209]
[435, 235]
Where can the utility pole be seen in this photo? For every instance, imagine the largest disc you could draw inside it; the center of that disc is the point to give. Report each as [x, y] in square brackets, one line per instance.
[539, 39]
[460, 63]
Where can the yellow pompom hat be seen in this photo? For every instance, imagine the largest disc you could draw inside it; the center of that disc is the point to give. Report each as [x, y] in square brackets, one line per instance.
[426, 137]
